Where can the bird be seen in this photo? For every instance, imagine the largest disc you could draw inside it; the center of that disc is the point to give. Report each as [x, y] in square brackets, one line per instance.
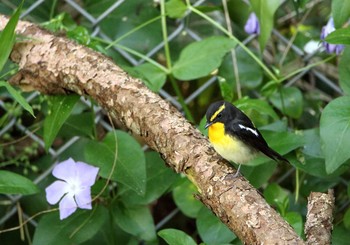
[234, 136]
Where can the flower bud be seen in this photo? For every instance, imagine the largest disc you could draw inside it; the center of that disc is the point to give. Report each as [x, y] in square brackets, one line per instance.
[252, 25]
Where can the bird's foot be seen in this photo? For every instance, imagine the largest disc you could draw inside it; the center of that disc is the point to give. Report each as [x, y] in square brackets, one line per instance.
[237, 174]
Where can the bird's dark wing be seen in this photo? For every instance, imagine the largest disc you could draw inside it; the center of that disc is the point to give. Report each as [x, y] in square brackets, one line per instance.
[247, 133]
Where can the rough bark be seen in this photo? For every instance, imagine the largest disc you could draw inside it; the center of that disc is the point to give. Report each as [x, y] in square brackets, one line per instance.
[318, 226]
[55, 65]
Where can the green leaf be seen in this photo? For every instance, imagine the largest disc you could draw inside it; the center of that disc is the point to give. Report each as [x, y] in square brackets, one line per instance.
[277, 196]
[61, 22]
[344, 71]
[335, 133]
[60, 107]
[201, 126]
[317, 184]
[276, 126]
[270, 88]
[11, 183]
[339, 36]
[76, 229]
[314, 166]
[130, 168]
[340, 12]
[226, 88]
[110, 233]
[176, 237]
[239, 11]
[175, 8]
[340, 235]
[131, 162]
[211, 229]
[137, 221]
[289, 101]
[152, 76]
[312, 145]
[314, 163]
[80, 34]
[199, 59]
[103, 161]
[257, 109]
[18, 97]
[8, 36]
[260, 174]
[144, 39]
[265, 11]
[81, 124]
[184, 198]
[250, 73]
[159, 180]
[346, 219]
[296, 221]
[290, 142]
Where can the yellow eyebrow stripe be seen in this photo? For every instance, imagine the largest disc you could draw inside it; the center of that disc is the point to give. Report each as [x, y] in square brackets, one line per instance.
[221, 108]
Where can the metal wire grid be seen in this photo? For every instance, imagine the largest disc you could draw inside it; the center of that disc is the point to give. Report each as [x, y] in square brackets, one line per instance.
[99, 112]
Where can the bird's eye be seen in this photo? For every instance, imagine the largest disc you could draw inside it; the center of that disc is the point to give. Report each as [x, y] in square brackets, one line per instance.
[219, 115]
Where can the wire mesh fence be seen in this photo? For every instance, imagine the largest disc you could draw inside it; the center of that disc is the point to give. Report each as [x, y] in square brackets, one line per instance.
[179, 28]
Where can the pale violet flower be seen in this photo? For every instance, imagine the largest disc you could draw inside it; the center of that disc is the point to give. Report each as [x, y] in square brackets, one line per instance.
[73, 187]
[326, 30]
[252, 25]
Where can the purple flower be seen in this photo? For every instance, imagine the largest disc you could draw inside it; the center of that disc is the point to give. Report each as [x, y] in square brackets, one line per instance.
[252, 25]
[326, 30]
[73, 188]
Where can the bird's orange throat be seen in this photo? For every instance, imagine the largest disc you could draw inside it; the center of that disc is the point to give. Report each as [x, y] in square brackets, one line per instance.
[216, 132]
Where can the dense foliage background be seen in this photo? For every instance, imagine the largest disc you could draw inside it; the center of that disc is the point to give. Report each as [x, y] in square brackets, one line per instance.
[296, 95]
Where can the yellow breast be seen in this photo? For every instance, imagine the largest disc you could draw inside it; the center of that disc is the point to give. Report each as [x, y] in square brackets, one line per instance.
[217, 135]
[229, 147]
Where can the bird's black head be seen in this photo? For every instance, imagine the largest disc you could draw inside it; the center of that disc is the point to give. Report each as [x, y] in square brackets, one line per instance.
[220, 111]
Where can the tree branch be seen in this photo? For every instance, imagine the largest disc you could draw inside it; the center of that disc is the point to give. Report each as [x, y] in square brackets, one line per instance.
[319, 218]
[55, 65]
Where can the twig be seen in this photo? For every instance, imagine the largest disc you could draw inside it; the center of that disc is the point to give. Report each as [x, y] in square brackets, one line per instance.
[319, 218]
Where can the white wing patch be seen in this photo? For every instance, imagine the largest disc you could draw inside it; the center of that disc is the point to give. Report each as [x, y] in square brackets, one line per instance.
[249, 129]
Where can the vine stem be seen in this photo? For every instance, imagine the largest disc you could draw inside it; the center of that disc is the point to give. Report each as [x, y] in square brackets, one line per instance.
[169, 64]
[305, 68]
[233, 52]
[297, 184]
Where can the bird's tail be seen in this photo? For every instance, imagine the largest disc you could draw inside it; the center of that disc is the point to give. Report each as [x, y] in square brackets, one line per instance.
[275, 156]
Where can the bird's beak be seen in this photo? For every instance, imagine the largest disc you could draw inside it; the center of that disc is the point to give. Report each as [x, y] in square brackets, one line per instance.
[208, 124]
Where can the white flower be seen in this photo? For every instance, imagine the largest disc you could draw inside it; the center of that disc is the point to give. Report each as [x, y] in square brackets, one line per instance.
[73, 188]
[311, 46]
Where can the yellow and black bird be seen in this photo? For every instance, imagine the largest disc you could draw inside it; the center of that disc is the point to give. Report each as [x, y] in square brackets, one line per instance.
[234, 136]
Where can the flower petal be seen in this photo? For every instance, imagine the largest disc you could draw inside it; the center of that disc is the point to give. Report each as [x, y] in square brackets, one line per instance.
[311, 46]
[86, 173]
[339, 48]
[67, 206]
[326, 30]
[252, 25]
[83, 199]
[55, 191]
[65, 170]
[323, 33]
